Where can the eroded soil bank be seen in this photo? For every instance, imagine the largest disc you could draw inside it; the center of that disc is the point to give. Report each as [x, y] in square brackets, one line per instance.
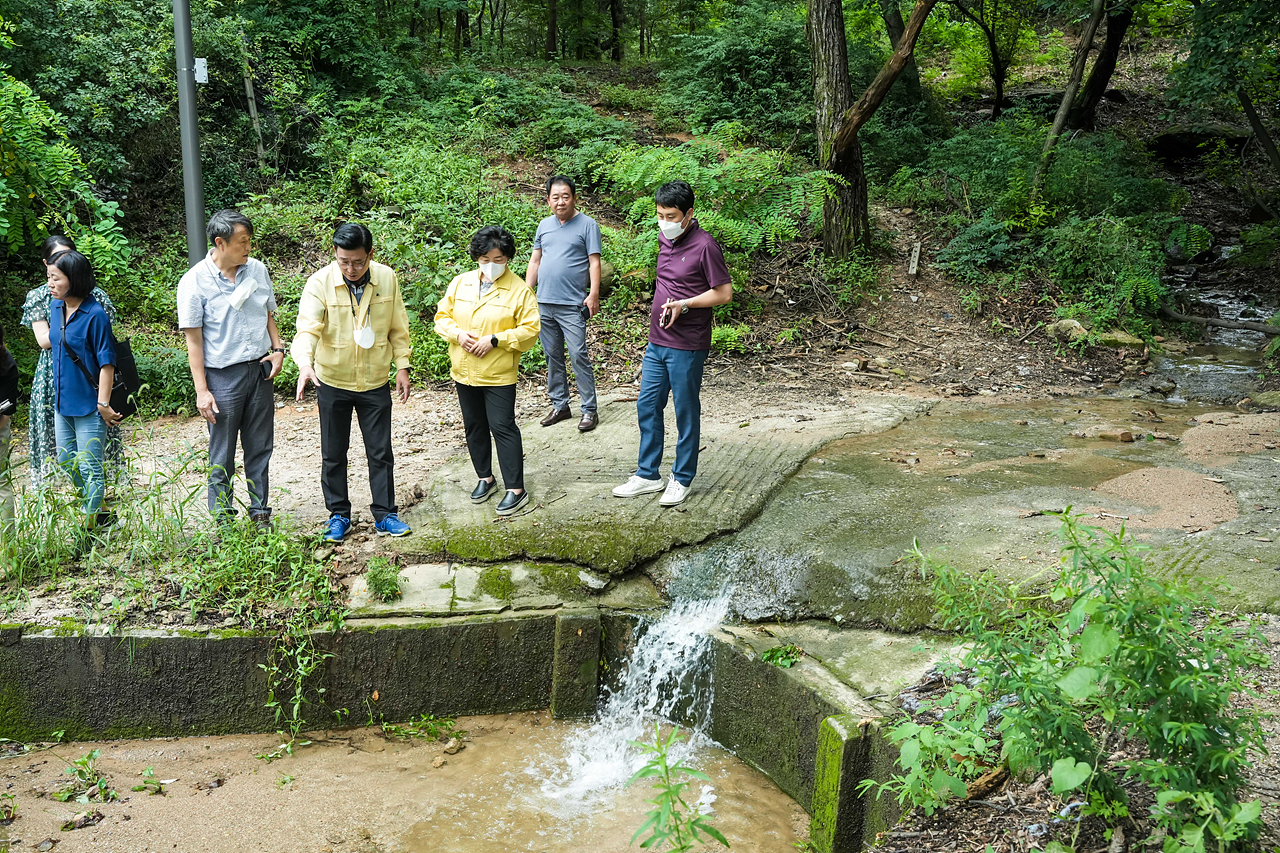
[355, 791]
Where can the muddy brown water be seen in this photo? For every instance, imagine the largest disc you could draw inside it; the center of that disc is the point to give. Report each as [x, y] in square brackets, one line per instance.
[354, 791]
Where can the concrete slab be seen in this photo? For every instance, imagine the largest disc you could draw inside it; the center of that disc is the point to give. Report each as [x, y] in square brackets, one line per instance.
[876, 664]
[972, 485]
[575, 518]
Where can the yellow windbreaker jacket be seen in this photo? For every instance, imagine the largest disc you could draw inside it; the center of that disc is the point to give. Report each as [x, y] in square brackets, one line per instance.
[327, 320]
[509, 310]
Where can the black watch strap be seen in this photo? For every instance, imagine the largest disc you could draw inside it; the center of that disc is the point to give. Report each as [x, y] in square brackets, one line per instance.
[493, 340]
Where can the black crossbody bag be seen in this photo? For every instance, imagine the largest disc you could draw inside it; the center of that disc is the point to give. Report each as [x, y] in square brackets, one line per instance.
[126, 383]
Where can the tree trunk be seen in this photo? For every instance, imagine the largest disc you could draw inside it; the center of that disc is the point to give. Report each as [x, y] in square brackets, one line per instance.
[439, 31]
[502, 27]
[552, 23]
[480, 25]
[615, 30]
[894, 27]
[1259, 129]
[999, 70]
[1069, 96]
[845, 224]
[862, 111]
[459, 24]
[1083, 111]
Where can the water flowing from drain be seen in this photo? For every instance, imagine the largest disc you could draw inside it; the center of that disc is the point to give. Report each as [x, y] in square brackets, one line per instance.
[668, 678]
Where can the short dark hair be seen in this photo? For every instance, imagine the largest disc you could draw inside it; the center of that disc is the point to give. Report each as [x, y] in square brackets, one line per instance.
[79, 273]
[676, 194]
[55, 243]
[352, 236]
[223, 225]
[491, 237]
[562, 179]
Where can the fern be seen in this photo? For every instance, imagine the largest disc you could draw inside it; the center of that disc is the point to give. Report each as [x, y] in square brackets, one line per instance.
[748, 199]
[1192, 238]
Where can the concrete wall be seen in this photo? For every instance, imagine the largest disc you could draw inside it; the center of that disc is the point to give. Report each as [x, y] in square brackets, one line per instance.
[807, 731]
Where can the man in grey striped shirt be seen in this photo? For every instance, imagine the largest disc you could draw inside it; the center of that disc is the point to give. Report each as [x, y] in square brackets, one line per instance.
[226, 310]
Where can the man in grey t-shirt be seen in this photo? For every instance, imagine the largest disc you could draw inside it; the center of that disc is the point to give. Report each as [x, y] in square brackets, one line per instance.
[226, 311]
[565, 272]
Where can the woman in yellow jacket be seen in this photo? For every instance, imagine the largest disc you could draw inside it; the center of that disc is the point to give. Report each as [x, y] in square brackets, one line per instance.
[489, 316]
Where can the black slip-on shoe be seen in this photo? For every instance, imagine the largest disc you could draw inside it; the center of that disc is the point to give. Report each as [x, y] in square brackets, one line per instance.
[483, 491]
[512, 503]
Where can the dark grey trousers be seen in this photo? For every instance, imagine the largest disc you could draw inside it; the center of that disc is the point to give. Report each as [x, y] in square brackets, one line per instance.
[490, 410]
[561, 325]
[246, 415]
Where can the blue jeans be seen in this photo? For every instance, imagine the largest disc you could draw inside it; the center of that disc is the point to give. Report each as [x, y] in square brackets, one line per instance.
[679, 372]
[80, 444]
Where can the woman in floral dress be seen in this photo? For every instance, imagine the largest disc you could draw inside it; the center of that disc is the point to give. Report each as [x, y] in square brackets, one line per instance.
[35, 313]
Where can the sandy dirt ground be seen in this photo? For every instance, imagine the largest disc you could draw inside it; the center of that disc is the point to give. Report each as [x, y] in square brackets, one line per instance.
[355, 791]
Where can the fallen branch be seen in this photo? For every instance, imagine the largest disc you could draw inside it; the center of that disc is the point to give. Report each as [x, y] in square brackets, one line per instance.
[1265, 328]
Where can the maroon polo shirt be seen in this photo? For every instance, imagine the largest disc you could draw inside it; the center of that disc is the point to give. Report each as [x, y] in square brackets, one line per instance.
[689, 267]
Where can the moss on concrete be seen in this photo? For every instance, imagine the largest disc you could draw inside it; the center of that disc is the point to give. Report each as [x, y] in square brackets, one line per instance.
[496, 582]
[558, 578]
[67, 627]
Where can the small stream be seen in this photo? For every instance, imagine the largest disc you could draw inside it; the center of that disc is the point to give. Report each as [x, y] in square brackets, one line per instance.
[1223, 367]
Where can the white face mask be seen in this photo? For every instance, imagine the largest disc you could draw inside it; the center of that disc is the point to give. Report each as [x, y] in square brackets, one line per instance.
[243, 291]
[670, 230]
[493, 271]
[364, 337]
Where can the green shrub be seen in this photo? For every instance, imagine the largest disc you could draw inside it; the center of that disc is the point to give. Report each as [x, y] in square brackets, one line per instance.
[166, 376]
[626, 98]
[748, 198]
[430, 359]
[1109, 652]
[748, 69]
[1258, 244]
[730, 339]
[383, 578]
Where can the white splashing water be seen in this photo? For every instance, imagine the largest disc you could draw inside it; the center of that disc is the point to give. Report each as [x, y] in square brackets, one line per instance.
[668, 678]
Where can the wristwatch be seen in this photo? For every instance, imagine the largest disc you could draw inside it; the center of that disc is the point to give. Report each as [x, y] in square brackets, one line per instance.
[684, 307]
[493, 341]
[280, 350]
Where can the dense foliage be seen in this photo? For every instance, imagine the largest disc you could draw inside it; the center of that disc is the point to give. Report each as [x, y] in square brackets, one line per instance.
[1054, 681]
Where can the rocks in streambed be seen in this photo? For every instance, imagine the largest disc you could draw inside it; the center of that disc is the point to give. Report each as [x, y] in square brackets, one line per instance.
[454, 746]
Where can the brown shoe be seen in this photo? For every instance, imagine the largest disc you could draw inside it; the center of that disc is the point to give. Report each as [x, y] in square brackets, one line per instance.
[588, 422]
[555, 416]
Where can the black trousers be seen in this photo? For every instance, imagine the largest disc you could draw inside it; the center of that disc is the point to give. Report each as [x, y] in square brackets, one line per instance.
[490, 410]
[373, 410]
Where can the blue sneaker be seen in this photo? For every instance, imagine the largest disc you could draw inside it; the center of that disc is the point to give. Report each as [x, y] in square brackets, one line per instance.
[337, 529]
[391, 525]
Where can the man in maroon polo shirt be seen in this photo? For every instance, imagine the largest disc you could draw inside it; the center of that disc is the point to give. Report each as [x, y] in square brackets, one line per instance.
[691, 279]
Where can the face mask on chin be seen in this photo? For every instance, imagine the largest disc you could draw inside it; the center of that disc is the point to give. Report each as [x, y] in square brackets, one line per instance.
[670, 230]
[493, 272]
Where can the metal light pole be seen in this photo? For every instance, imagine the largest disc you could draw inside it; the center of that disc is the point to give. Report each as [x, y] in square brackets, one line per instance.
[192, 181]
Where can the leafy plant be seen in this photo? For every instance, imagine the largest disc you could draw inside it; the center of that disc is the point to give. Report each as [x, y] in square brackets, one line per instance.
[86, 783]
[425, 727]
[783, 656]
[672, 824]
[730, 339]
[8, 808]
[383, 578]
[151, 784]
[1109, 651]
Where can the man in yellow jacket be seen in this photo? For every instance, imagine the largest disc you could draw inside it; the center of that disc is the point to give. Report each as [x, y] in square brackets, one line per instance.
[352, 329]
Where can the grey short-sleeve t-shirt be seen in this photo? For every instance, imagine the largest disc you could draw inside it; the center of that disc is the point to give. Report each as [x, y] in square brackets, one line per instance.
[206, 302]
[564, 271]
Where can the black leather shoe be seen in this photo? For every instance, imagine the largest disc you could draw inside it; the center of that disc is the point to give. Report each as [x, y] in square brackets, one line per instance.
[588, 422]
[483, 491]
[512, 503]
[555, 416]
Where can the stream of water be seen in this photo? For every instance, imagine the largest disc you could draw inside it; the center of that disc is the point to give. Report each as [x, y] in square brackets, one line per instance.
[668, 679]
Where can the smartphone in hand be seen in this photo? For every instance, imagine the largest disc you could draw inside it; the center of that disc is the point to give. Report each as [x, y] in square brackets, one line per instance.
[667, 317]
[586, 312]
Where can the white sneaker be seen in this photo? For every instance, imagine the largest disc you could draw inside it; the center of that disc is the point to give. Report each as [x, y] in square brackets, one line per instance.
[638, 486]
[675, 493]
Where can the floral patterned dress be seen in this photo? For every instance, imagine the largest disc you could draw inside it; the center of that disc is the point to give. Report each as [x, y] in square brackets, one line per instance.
[44, 447]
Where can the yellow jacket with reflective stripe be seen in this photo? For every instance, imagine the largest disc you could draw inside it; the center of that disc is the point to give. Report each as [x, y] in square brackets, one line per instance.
[326, 324]
[509, 311]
